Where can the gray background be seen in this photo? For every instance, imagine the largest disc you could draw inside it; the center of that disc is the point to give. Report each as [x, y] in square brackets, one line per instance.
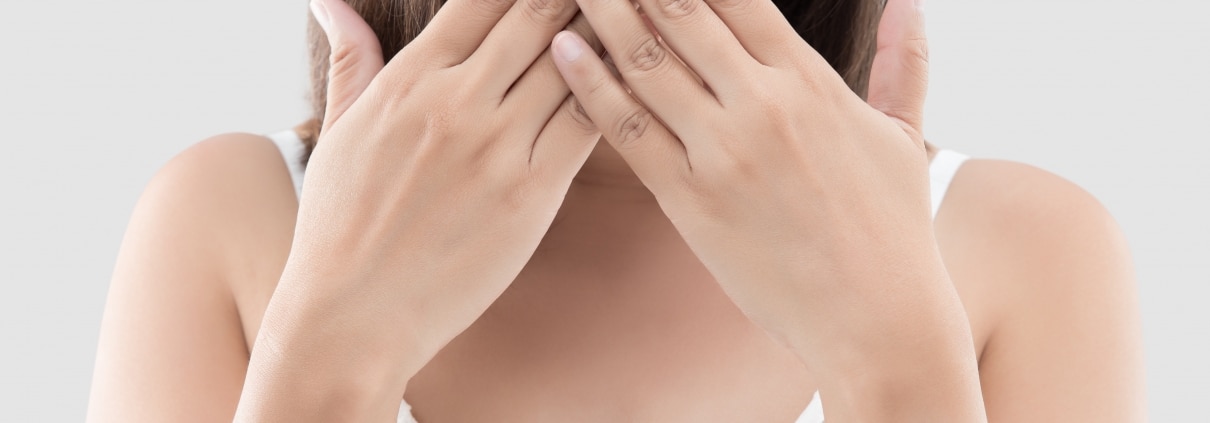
[97, 95]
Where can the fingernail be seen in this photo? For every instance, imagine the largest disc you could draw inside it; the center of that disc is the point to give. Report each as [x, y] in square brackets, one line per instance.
[567, 47]
[920, 4]
[320, 11]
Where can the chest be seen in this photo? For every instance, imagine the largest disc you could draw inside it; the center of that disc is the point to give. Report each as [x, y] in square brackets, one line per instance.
[628, 335]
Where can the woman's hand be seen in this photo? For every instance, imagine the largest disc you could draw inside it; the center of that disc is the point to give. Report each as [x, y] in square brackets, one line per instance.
[433, 181]
[809, 205]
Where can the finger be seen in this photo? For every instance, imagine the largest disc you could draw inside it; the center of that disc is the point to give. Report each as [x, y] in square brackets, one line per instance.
[541, 89]
[651, 150]
[565, 142]
[654, 75]
[355, 59]
[700, 39]
[899, 76]
[760, 27]
[520, 37]
[613, 67]
[457, 29]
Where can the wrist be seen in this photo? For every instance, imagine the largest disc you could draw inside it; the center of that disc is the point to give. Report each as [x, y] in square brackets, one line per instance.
[900, 349]
[928, 389]
[331, 318]
[287, 390]
[917, 368]
[293, 376]
[319, 356]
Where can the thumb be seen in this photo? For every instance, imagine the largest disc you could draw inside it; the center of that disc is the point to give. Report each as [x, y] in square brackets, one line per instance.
[355, 55]
[899, 76]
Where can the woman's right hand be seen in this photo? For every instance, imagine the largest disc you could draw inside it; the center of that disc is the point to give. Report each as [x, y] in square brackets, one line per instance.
[432, 183]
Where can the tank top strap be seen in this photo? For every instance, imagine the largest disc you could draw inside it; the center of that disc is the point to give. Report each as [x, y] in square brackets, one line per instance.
[405, 413]
[292, 150]
[814, 411]
[941, 173]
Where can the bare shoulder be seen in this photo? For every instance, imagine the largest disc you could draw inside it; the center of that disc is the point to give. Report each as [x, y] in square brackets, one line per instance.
[1029, 214]
[232, 198]
[224, 165]
[1048, 281]
[210, 229]
[236, 187]
[228, 190]
[237, 190]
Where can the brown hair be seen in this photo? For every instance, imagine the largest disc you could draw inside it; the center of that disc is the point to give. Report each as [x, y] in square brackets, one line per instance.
[843, 31]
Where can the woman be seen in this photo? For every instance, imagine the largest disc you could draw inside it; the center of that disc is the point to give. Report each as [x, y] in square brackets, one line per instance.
[752, 240]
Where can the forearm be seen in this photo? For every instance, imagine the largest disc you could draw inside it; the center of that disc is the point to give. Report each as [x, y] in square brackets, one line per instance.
[903, 354]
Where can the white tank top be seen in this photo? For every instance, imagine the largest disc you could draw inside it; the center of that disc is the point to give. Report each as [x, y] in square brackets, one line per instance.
[941, 172]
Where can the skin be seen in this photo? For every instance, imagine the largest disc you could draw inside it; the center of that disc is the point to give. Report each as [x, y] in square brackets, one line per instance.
[724, 293]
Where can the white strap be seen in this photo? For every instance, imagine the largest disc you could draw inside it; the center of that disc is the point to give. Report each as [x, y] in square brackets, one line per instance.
[405, 413]
[941, 172]
[292, 149]
[813, 413]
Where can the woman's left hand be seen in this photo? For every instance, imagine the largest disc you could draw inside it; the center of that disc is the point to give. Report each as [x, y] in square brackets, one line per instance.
[808, 204]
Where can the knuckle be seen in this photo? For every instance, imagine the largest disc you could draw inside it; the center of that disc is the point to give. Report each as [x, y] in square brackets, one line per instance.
[390, 94]
[471, 79]
[344, 57]
[918, 48]
[647, 56]
[579, 115]
[493, 161]
[493, 7]
[544, 10]
[596, 86]
[442, 118]
[780, 119]
[809, 81]
[807, 74]
[632, 127]
[706, 207]
[678, 9]
[775, 113]
[516, 193]
[733, 163]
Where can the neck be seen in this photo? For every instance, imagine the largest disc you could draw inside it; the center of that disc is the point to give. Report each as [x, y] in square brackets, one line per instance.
[606, 174]
[606, 188]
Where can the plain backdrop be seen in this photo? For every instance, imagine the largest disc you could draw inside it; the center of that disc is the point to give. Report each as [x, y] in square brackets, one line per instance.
[95, 96]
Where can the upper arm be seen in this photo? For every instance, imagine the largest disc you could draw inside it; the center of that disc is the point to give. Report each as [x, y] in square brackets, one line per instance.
[1066, 342]
[172, 346]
